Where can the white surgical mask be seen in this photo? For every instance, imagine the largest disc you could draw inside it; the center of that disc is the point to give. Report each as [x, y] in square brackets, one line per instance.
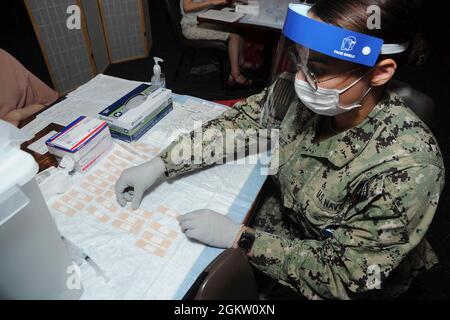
[326, 101]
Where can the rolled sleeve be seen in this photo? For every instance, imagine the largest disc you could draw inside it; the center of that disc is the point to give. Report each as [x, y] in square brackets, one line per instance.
[181, 156]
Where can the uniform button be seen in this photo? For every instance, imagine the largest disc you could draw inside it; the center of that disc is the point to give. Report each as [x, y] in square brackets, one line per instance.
[327, 233]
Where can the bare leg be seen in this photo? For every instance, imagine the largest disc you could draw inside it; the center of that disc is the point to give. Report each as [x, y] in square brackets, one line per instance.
[234, 54]
[246, 64]
[241, 51]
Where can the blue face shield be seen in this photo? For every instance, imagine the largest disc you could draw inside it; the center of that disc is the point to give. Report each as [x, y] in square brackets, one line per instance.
[303, 41]
[333, 41]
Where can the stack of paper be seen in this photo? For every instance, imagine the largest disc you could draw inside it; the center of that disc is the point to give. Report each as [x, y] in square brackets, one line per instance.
[221, 15]
[88, 100]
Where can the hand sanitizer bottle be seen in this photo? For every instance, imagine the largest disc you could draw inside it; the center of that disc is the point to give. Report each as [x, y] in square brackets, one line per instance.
[158, 79]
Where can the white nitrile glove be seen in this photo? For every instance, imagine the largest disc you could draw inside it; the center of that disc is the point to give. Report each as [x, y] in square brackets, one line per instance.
[210, 228]
[136, 180]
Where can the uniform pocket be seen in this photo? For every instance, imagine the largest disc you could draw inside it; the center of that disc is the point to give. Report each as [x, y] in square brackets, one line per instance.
[374, 217]
[365, 193]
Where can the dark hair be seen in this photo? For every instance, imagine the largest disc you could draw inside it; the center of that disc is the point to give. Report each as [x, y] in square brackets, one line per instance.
[399, 22]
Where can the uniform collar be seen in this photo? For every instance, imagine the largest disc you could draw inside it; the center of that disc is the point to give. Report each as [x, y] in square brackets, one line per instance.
[342, 148]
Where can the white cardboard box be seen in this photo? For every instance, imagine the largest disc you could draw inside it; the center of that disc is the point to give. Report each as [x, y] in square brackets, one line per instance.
[85, 141]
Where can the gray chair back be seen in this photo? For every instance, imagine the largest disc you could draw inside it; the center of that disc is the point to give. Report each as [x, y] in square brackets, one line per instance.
[420, 103]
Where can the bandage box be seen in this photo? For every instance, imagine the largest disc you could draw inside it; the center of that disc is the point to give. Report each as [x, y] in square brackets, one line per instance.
[142, 128]
[85, 141]
[128, 122]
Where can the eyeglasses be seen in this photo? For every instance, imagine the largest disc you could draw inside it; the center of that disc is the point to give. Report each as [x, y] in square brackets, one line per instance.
[310, 77]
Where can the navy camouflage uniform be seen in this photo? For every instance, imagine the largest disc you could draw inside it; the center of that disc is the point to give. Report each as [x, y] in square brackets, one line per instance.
[350, 214]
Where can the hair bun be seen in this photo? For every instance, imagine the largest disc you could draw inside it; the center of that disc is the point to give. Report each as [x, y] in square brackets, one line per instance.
[419, 51]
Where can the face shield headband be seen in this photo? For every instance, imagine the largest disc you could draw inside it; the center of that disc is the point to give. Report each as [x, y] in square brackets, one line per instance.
[334, 41]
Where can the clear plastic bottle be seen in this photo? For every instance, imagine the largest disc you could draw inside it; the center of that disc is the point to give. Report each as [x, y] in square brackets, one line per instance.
[158, 79]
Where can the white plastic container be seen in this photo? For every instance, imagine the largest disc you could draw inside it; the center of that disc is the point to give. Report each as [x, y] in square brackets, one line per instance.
[34, 261]
[158, 79]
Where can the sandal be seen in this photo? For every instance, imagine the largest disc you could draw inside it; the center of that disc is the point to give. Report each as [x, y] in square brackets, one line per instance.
[250, 66]
[233, 81]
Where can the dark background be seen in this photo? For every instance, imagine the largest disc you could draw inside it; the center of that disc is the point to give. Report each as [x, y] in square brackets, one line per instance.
[18, 38]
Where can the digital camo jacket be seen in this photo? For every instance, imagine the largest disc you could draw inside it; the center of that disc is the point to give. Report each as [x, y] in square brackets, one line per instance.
[350, 213]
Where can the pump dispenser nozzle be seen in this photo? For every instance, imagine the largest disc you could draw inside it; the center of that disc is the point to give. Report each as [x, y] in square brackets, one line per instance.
[156, 79]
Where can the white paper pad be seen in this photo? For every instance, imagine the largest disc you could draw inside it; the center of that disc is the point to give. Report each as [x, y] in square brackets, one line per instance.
[272, 13]
[39, 146]
[70, 109]
[143, 254]
[104, 88]
[221, 15]
[32, 128]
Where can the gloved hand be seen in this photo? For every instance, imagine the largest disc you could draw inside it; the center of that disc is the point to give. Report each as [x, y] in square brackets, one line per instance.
[210, 228]
[135, 181]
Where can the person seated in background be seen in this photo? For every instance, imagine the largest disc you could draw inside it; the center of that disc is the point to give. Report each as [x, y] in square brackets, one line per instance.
[22, 94]
[209, 31]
